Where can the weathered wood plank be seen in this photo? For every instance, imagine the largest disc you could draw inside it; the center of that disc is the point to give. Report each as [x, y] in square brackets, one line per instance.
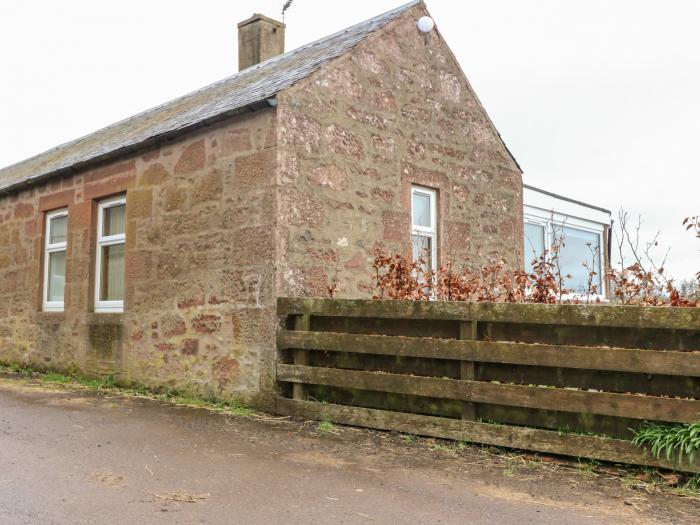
[603, 380]
[379, 381]
[664, 362]
[601, 336]
[557, 314]
[610, 426]
[468, 331]
[376, 325]
[603, 403]
[301, 357]
[547, 441]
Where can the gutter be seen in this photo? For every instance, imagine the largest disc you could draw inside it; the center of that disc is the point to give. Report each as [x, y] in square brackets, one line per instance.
[567, 199]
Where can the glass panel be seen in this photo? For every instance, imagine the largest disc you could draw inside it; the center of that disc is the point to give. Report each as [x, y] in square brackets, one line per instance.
[56, 276]
[114, 220]
[57, 229]
[112, 273]
[580, 247]
[534, 244]
[421, 210]
[422, 249]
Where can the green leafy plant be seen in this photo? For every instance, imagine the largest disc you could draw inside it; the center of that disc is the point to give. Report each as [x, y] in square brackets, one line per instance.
[677, 441]
[692, 484]
[325, 426]
[588, 466]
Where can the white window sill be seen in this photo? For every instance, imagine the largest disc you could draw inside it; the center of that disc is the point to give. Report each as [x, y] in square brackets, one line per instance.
[52, 308]
[109, 309]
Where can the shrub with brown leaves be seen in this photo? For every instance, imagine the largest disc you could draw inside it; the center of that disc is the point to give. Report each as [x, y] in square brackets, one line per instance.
[400, 277]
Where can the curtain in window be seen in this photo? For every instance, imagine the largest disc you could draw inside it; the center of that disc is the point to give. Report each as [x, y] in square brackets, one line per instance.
[112, 273]
[58, 229]
[114, 221]
[57, 276]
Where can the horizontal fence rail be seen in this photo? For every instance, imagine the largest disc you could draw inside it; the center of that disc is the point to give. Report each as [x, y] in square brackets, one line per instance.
[556, 314]
[604, 449]
[621, 359]
[573, 380]
[621, 405]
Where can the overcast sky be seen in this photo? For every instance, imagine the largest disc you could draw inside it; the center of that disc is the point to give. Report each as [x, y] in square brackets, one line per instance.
[598, 100]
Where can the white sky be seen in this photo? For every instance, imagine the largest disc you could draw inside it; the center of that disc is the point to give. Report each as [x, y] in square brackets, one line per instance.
[598, 100]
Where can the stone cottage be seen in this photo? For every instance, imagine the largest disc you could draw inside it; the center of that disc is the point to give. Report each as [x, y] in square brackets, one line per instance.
[154, 249]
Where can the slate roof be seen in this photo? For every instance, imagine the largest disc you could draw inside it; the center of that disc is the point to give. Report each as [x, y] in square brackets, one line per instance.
[219, 100]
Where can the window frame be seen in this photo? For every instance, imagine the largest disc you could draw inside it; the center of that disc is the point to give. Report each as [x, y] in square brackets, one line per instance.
[425, 231]
[600, 270]
[545, 225]
[103, 241]
[49, 248]
[558, 220]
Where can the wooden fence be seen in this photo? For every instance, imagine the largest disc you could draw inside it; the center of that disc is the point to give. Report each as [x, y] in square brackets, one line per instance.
[572, 380]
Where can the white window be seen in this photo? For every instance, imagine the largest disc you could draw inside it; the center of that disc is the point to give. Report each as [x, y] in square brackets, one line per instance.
[111, 239]
[535, 235]
[55, 260]
[581, 251]
[580, 255]
[424, 225]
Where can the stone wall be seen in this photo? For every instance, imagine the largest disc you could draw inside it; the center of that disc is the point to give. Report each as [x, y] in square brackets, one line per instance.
[222, 221]
[199, 304]
[395, 111]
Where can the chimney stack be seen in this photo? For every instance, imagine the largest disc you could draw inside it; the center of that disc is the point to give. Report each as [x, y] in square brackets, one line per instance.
[259, 38]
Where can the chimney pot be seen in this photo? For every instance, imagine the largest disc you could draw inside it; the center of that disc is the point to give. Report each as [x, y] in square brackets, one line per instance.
[259, 38]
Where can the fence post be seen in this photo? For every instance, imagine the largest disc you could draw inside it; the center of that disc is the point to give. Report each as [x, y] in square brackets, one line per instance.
[301, 357]
[468, 330]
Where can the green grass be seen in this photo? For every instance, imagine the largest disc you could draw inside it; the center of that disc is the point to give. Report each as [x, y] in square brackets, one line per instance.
[109, 384]
[566, 429]
[14, 368]
[56, 378]
[588, 465]
[675, 442]
[325, 426]
[692, 484]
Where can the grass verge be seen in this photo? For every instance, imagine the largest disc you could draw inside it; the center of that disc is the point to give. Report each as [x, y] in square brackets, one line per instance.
[108, 384]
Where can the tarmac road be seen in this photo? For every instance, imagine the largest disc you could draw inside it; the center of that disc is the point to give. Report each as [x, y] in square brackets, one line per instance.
[75, 457]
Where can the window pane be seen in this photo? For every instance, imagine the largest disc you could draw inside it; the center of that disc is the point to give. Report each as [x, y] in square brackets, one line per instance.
[112, 273]
[114, 220]
[56, 276]
[422, 249]
[57, 229]
[534, 244]
[580, 247]
[421, 210]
